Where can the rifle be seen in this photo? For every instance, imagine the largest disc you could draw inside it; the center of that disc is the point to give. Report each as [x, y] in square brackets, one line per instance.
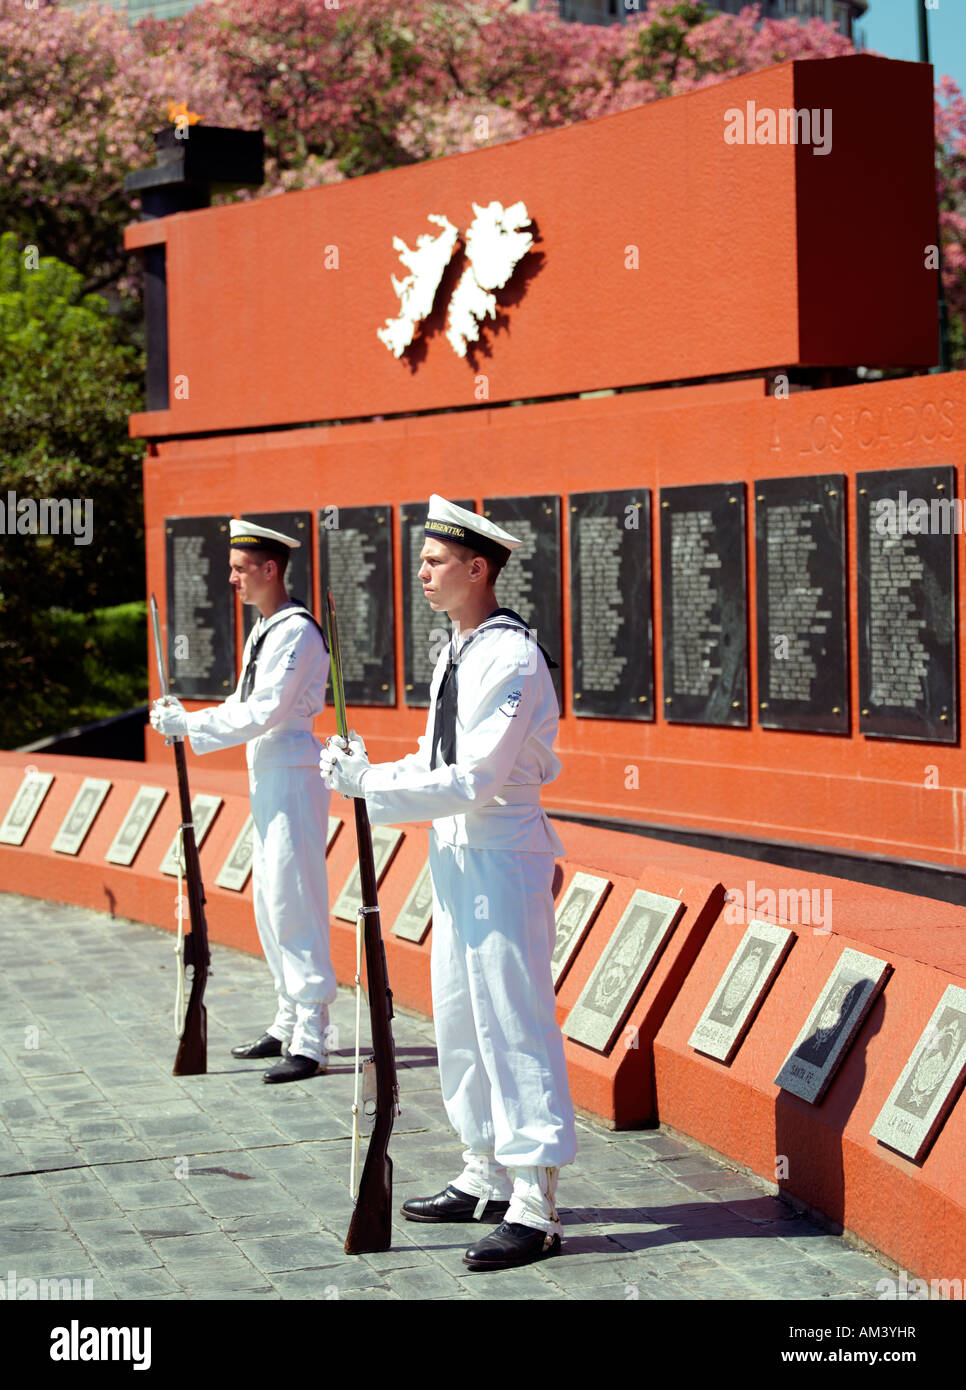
[192, 1056]
[370, 1230]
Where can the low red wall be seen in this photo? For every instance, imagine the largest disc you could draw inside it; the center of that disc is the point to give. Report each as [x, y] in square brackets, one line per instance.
[915, 1213]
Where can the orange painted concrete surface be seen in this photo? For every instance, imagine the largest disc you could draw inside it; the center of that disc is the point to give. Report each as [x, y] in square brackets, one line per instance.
[914, 1213]
[619, 1085]
[906, 799]
[823, 1154]
[745, 254]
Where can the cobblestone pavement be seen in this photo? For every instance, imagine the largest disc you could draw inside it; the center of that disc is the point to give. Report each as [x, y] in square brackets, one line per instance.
[220, 1187]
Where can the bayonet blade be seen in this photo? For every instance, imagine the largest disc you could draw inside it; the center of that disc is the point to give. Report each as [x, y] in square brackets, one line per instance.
[338, 688]
[159, 657]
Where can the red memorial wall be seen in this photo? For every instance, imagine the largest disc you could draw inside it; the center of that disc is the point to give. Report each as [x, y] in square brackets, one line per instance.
[689, 280]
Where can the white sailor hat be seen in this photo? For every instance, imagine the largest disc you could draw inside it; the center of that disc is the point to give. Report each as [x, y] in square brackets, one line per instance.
[448, 522]
[245, 535]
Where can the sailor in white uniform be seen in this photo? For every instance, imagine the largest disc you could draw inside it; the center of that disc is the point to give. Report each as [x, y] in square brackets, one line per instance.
[285, 668]
[487, 750]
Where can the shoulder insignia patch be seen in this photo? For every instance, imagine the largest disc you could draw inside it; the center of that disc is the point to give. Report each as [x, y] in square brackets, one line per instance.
[511, 704]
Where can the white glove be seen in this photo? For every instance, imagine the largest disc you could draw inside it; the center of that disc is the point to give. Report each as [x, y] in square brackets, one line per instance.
[169, 717]
[344, 769]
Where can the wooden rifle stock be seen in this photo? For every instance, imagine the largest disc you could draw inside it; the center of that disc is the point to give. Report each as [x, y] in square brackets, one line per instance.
[192, 1055]
[370, 1230]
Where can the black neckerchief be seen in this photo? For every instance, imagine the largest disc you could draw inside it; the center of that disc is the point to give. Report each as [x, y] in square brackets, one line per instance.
[296, 609]
[444, 727]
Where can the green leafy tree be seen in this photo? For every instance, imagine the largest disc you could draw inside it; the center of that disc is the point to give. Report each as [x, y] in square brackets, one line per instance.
[67, 386]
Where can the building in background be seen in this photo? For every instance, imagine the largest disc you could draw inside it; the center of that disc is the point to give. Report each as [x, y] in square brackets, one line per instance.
[141, 9]
[842, 13]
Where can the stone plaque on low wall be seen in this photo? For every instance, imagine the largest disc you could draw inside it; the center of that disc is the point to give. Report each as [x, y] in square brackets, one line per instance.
[625, 963]
[135, 825]
[416, 913]
[236, 868]
[24, 807]
[385, 841]
[930, 1081]
[832, 1025]
[82, 814]
[576, 910]
[204, 808]
[741, 990]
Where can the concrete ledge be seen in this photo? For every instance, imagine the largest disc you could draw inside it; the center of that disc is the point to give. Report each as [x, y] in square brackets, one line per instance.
[822, 1156]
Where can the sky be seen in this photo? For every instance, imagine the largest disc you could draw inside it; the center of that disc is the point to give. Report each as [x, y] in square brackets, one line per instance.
[891, 28]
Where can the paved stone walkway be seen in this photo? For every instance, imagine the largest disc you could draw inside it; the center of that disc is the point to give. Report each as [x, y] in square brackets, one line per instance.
[220, 1187]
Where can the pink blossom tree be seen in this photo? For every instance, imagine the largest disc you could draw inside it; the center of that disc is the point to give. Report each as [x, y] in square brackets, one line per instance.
[347, 88]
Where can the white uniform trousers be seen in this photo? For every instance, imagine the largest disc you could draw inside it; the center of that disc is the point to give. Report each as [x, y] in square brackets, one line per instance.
[290, 810]
[501, 1057]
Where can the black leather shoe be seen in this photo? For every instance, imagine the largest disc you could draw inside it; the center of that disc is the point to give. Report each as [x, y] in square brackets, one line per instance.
[509, 1245]
[294, 1068]
[452, 1205]
[265, 1046]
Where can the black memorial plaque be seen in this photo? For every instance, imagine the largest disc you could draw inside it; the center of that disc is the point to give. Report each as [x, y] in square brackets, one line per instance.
[201, 607]
[803, 660]
[355, 559]
[425, 632]
[906, 524]
[531, 581]
[610, 604]
[704, 613]
[298, 574]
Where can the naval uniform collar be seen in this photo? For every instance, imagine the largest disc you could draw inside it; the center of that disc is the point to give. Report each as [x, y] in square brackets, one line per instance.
[263, 624]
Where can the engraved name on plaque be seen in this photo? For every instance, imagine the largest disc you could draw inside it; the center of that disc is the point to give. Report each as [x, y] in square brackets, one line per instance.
[610, 604]
[906, 533]
[24, 807]
[704, 604]
[298, 572]
[81, 816]
[425, 632]
[741, 990]
[200, 614]
[803, 665]
[355, 557]
[576, 910]
[930, 1081]
[385, 841]
[530, 582]
[236, 868]
[135, 825]
[832, 1025]
[625, 963]
[416, 913]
